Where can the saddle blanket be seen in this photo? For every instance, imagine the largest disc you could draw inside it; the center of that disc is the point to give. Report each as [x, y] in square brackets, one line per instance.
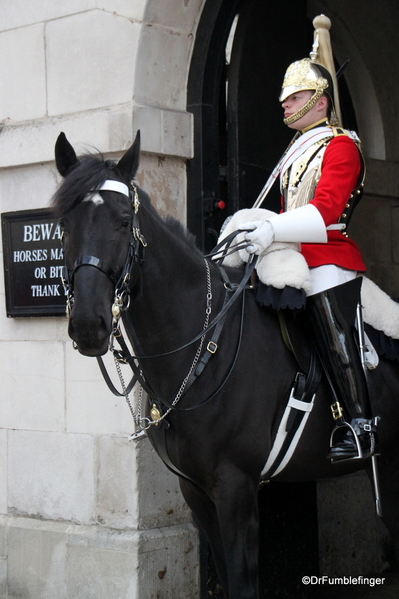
[283, 265]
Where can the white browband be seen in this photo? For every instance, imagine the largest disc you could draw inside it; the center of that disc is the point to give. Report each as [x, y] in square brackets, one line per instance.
[110, 185]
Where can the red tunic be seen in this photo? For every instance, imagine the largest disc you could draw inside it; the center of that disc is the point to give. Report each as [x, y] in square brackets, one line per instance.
[339, 176]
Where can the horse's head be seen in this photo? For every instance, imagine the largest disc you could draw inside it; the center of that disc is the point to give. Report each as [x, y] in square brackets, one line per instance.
[95, 203]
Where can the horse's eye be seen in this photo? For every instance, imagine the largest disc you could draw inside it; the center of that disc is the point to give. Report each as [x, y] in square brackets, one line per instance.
[125, 223]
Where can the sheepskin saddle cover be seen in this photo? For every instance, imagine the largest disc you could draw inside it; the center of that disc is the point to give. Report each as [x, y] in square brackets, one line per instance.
[283, 265]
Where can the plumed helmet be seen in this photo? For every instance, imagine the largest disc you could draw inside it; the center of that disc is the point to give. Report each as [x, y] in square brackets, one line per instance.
[316, 73]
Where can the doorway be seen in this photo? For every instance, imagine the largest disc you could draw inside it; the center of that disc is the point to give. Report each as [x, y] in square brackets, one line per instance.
[242, 50]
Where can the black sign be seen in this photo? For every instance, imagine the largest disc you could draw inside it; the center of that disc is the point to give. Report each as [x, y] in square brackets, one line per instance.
[33, 263]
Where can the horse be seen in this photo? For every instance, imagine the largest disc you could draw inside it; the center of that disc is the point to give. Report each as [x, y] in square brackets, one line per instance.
[219, 428]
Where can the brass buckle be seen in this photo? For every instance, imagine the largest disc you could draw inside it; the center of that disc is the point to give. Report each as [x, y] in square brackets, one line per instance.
[119, 357]
[155, 414]
[212, 347]
[337, 410]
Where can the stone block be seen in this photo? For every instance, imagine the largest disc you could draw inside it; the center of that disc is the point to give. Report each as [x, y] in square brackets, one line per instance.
[91, 407]
[22, 74]
[179, 15]
[169, 563]
[149, 120]
[3, 560]
[3, 578]
[95, 573]
[36, 563]
[177, 134]
[164, 131]
[33, 329]
[58, 560]
[117, 492]
[160, 79]
[94, 70]
[124, 8]
[20, 12]
[164, 179]
[3, 479]
[51, 475]
[160, 501]
[32, 376]
[107, 130]
[134, 487]
[28, 188]
[3, 537]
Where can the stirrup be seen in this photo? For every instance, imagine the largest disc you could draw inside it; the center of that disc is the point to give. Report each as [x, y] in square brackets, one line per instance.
[368, 428]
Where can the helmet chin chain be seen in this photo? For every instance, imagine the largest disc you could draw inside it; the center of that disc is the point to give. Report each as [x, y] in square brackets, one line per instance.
[309, 104]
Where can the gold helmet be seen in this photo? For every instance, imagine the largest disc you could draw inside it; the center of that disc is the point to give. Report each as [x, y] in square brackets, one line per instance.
[316, 73]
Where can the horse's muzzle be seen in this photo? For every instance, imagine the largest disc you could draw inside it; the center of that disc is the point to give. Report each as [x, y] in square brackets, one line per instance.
[90, 332]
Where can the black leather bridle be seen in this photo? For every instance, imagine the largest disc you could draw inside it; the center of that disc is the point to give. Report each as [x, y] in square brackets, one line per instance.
[123, 285]
[122, 280]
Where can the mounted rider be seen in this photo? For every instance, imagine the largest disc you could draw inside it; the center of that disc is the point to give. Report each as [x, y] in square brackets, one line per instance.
[321, 178]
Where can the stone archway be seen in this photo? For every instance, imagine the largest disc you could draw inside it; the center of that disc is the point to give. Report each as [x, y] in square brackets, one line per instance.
[161, 72]
[360, 83]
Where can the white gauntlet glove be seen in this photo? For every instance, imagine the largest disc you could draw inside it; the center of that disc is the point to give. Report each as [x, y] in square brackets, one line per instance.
[302, 225]
[260, 237]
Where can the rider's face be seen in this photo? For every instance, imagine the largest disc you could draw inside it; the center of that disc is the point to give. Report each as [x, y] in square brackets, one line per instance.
[296, 101]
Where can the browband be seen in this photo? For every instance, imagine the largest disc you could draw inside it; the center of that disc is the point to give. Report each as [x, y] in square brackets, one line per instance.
[110, 185]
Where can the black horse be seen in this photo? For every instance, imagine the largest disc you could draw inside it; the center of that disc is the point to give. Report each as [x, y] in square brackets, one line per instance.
[221, 445]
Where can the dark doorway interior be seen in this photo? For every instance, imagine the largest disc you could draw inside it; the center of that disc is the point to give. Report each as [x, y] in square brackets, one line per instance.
[242, 50]
[239, 133]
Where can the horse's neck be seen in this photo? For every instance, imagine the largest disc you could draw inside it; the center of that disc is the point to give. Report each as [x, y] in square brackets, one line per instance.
[170, 308]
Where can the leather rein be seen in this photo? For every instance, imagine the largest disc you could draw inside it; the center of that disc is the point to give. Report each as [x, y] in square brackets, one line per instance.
[123, 284]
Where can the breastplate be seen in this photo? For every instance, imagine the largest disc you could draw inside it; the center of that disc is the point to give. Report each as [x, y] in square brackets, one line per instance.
[299, 181]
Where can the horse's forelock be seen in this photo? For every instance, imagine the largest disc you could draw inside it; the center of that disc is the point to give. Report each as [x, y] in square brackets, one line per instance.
[89, 173]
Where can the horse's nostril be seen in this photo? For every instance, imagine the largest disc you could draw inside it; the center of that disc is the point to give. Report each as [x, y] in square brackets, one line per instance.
[90, 332]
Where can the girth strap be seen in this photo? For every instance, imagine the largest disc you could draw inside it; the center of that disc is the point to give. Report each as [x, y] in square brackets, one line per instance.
[299, 406]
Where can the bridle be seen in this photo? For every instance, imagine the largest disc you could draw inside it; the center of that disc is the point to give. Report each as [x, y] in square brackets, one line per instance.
[123, 285]
[122, 280]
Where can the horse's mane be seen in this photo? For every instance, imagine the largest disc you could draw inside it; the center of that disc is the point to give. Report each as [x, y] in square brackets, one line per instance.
[179, 230]
[90, 173]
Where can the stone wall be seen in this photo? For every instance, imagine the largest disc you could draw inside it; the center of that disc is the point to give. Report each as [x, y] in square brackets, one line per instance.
[85, 512]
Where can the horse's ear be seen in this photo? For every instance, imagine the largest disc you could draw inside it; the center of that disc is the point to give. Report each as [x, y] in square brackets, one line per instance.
[65, 157]
[129, 163]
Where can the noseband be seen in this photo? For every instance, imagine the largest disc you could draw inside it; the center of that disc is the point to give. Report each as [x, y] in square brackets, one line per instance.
[122, 280]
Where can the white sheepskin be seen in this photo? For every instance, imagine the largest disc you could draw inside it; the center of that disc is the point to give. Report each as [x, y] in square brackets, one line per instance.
[280, 265]
[379, 310]
[283, 265]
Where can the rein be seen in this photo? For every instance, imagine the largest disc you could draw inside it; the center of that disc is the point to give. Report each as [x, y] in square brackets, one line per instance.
[123, 284]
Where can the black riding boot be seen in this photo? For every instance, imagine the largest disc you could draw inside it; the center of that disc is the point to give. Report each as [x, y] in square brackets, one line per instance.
[332, 317]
